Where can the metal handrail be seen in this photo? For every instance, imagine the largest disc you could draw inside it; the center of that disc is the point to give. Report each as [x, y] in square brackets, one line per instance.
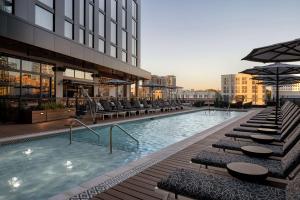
[110, 135]
[83, 124]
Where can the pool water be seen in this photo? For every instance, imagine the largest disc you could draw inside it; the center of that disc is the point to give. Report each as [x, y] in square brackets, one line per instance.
[42, 168]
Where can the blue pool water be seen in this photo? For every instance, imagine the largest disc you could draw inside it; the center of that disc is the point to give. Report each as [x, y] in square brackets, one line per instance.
[42, 168]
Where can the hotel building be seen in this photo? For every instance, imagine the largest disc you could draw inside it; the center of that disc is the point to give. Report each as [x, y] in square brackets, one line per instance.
[48, 48]
[240, 87]
[287, 91]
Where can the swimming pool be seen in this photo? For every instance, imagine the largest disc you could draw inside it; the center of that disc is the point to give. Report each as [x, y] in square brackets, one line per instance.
[42, 168]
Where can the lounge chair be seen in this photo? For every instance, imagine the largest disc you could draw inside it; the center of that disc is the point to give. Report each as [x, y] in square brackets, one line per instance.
[285, 124]
[137, 105]
[148, 107]
[100, 110]
[204, 185]
[108, 109]
[277, 137]
[278, 149]
[119, 108]
[277, 168]
[126, 104]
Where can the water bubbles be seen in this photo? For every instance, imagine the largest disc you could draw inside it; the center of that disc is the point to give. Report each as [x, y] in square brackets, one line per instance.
[14, 182]
[68, 164]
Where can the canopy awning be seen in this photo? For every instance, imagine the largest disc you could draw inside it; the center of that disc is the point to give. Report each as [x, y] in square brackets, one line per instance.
[280, 52]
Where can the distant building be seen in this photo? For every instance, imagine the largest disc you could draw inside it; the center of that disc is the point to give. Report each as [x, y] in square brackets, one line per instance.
[167, 82]
[197, 94]
[287, 91]
[240, 87]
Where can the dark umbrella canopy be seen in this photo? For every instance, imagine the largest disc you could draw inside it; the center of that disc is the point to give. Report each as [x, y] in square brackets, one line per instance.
[280, 52]
[117, 82]
[276, 70]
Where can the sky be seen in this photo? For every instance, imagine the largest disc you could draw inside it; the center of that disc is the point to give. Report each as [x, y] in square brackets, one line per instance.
[198, 40]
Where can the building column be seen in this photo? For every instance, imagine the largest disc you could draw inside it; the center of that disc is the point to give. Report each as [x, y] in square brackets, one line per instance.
[137, 88]
[96, 87]
[59, 84]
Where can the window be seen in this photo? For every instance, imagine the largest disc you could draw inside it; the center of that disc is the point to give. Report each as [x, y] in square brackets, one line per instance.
[133, 61]
[134, 28]
[30, 66]
[81, 12]
[124, 40]
[69, 8]
[114, 10]
[101, 24]
[14, 63]
[30, 85]
[113, 51]
[101, 46]
[134, 8]
[124, 24]
[124, 4]
[91, 17]
[69, 72]
[48, 3]
[68, 30]
[124, 56]
[43, 18]
[91, 41]
[102, 5]
[79, 74]
[133, 46]
[47, 69]
[88, 76]
[113, 32]
[6, 5]
[81, 36]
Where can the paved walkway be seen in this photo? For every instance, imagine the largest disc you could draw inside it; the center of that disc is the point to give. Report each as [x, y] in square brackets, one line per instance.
[141, 186]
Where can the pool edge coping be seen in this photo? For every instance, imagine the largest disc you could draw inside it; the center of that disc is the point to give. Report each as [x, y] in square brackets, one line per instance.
[122, 173]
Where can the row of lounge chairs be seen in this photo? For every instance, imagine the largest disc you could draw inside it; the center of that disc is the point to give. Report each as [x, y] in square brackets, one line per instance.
[283, 139]
[105, 108]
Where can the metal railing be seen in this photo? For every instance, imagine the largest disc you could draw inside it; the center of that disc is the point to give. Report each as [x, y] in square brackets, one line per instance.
[123, 130]
[83, 124]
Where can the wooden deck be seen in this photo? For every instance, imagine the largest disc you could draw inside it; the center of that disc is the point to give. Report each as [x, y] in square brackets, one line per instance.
[141, 186]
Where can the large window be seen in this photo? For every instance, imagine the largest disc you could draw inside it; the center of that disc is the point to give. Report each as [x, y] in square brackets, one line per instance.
[68, 30]
[43, 18]
[81, 12]
[134, 28]
[101, 46]
[114, 10]
[91, 17]
[124, 24]
[48, 3]
[124, 40]
[81, 36]
[69, 8]
[133, 46]
[124, 56]
[124, 4]
[134, 9]
[102, 5]
[25, 78]
[91, 41]
[113, 31]
[113, 51]
[133, 61]
[6, 5]
[101, 31]
[78, 74]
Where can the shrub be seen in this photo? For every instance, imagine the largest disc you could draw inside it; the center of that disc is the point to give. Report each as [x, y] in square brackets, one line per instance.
[50, 106]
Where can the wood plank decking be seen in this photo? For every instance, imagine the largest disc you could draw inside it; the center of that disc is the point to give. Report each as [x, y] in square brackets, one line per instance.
[141, 186]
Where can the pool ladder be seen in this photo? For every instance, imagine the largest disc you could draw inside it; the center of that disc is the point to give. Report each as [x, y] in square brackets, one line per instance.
[98, 135]
[74, 121]
[123, 130]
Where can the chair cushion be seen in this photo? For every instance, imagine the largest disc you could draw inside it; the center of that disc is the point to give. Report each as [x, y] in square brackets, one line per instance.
[200, 185]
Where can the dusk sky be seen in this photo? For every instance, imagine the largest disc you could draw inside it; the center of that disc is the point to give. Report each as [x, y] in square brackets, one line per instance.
[198, 40]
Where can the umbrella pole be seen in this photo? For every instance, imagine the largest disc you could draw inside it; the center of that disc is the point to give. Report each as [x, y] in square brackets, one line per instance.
[277, 96]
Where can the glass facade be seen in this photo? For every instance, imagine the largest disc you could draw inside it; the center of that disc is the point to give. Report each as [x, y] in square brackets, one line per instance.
[43, 18]
[91, 17]
[102, 5]
[113, 33]
[81, 12]
[101, 46]
[91, 41]
[81, 36]
[48, 3]
[113, 51]
[113, 10]
[27, 79]
[124, 40]
[69, 8]
[68, 30]
[101, 31]
[134, 9]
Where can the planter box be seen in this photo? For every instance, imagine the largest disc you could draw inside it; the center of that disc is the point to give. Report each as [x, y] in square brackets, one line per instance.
[51, 115]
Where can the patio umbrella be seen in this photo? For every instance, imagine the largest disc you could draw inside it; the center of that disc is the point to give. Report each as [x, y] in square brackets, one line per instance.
[275, 70]
[280, 52]
[117, 83]
[152, 86]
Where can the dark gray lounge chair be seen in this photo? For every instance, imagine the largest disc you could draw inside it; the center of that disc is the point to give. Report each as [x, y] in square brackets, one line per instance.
[277, 168]
[208, 186]
[278, 150]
